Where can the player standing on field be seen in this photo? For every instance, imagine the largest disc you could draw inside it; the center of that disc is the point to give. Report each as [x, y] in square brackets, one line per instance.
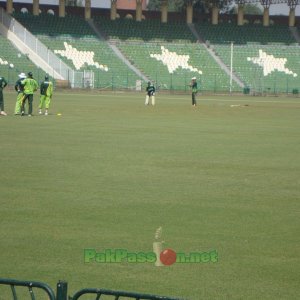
[3, 84]
[150, 89]
[194, 88]
[46, 95]
[19, 89]
[30, 86]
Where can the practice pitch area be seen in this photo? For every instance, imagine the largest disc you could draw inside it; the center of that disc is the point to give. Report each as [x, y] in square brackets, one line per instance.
[104, 171]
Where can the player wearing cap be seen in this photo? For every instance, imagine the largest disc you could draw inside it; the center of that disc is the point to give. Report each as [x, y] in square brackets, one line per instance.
[46, 89]
[19, 89]
[194, 88]
[3, 84]
[30, 86]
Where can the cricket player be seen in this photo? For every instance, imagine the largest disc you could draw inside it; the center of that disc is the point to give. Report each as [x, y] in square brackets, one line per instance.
[46, 89]
[30, 86]
[150, 89]
[3, 84]
[194, 88]
[19, 89]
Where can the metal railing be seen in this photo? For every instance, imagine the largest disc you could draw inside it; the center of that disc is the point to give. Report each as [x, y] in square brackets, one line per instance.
[30, 285]
[62, 291]
[118, 294]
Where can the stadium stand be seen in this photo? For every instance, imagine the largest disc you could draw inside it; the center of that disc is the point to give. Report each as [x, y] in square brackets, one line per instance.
[12, 62]
[226, 33]
[85, 50]
[198, 58]
[147, 30]
[177, 41]
[272, 68]
[170, 55]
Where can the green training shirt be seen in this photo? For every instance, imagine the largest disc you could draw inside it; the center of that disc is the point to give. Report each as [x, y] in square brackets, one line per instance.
[30, 86]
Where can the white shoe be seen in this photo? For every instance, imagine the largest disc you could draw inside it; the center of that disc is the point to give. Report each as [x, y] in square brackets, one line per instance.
[40, 112]
[29, 115]
[46, 113]
[3, 113]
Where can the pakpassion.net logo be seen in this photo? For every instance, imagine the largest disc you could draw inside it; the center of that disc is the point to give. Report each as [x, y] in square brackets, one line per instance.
[166, 257]
[159, 256]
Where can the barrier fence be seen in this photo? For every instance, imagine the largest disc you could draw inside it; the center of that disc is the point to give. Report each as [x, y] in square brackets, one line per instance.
[91, 79]
[62, 291]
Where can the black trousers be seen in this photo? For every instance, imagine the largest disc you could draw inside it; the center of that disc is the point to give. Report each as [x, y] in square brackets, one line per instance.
[28, 97]
[1, 101]
[194, 99]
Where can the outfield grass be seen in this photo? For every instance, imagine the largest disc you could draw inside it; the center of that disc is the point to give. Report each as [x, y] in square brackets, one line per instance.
[110, 171]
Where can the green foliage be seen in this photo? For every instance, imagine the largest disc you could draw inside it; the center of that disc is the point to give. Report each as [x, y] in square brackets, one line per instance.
[199, 5]
[253, 9]
[173, 5]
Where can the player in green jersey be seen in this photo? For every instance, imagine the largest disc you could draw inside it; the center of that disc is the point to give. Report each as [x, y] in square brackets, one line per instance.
[46, 89]
[30, 86]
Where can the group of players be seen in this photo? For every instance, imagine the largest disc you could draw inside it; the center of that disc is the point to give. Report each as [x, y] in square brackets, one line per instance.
[26, 86]
[150, 92]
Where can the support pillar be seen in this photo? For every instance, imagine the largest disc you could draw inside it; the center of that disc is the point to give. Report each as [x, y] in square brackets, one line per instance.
[36, 8]
[164, 11]
[266, 18]
[240, 16]
[62, 8]
[215, 15]
[87, 9]
[113, 10]
[189, 12]
[9, 6]
[292, 18]
[139, 10]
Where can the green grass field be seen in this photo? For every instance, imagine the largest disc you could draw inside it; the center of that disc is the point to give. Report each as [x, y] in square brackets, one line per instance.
[109, 171]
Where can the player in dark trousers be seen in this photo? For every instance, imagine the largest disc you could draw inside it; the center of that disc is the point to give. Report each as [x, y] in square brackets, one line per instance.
[194, 88]
[3, 84]
[30, 86]
[150, 90]
[46, 89]
[19, 89]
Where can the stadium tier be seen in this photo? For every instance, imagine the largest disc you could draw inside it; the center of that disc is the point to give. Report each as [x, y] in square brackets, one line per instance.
[147, 30]
[54, 26]
[172, 65]
[227, 33]
[73, 40]
[168, 55]
[12, 62]
[264, 58]
[264, 68]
